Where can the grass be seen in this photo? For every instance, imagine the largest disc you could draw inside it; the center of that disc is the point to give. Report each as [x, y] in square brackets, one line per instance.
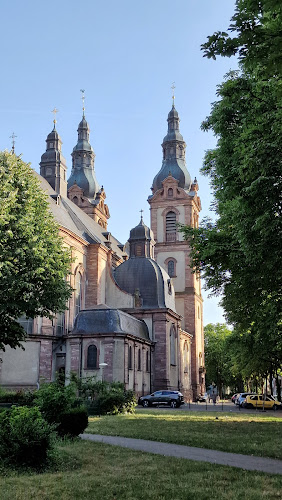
[250, 434]
[98, 471]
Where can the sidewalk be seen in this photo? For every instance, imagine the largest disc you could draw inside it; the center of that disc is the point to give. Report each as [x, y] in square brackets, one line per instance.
[247, 462]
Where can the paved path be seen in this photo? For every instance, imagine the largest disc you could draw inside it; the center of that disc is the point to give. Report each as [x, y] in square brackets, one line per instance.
[247, 462]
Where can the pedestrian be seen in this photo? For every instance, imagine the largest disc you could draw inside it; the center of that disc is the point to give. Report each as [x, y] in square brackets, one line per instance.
[214, 398]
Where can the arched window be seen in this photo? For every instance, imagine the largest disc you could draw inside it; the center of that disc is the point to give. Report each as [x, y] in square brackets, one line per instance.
[170, 192]
[186, 357]
[78, 290]
[75, 200]
[171, 226]
[130, 357]
[139, 359]
[171, 268]
[92, 357]
[172, 346]
[147, 361]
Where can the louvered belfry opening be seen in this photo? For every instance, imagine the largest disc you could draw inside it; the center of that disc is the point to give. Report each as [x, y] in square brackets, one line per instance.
[171, 226]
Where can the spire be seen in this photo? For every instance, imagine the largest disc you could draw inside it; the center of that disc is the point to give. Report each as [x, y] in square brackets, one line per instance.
[53, 164]
[83, 157]
[173, 154]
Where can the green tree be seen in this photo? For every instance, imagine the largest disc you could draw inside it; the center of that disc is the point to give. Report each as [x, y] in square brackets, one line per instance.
[217, 357]
[33, 262]
[239, 255]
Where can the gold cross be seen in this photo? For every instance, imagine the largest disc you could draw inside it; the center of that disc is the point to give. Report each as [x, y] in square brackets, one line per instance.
[55, 110]
[83, 98]
[173, 96]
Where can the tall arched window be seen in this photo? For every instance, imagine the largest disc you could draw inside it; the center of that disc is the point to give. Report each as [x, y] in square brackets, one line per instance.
[92, 357]
[171, 268]
[171, 226]
[186, 357]
[139, 359]
[172, 346]
[78, 291]
[130, 357]
[147, 361]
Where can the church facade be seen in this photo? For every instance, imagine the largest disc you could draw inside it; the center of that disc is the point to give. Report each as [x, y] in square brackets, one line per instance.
[136, 311]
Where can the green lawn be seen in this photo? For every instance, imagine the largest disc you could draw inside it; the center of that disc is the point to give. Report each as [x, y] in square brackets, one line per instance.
[250, 434]
[101, 472]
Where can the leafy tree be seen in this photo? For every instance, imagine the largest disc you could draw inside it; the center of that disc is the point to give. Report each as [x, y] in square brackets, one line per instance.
[217, 357]
[239, 255]
[33, 262]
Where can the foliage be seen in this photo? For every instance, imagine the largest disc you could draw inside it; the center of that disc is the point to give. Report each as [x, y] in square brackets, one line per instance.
[73, 422]
[256, 26]
[19, 397]
[103, 397]
[25, 437]
[33, 262]
[59, 406]
[114, 403]
[217, 358]
[239, 255]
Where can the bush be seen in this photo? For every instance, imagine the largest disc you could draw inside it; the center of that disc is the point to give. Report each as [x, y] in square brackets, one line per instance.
[73, 422]
[20, 397]
[113, 403]
[25, 437]
[54, 400]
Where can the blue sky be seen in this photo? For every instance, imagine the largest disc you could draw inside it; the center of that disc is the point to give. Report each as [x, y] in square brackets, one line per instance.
[125, 54]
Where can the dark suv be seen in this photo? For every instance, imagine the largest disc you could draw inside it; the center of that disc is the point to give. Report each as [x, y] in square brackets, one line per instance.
[172, 398]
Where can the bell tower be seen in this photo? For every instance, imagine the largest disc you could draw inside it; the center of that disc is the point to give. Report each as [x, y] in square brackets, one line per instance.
[175, 200]
[53, 165]
[83, 187]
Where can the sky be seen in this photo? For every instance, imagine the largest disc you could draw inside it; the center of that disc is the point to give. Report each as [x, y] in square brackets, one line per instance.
[126, 55]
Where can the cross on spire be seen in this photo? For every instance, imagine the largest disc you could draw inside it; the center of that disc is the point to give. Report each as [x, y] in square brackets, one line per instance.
[173, 96]
[141, 211]
[13, 136]
[83, 99]
[55, 111]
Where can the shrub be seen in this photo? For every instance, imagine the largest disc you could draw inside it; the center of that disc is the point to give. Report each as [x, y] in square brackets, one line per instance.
[73, 422]
[54, 400]
[113, 403]
[25, 437]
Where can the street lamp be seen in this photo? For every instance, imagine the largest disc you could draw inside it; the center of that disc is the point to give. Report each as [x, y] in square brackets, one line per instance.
[102, 366]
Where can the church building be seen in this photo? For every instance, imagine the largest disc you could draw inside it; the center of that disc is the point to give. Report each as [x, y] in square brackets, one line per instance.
[136, 313]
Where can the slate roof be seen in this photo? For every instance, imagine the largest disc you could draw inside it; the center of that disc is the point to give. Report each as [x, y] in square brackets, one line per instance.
[99, 321]
[71, 217]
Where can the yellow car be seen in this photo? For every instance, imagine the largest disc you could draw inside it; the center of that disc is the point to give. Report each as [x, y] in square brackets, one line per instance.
[261, 401]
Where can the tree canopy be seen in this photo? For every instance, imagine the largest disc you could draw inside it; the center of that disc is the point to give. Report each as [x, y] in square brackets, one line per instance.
[239, 255]
[33, 262]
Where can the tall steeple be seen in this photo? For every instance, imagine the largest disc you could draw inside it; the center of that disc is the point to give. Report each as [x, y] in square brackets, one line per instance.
[173, 155]
[83, 156]
[53, 165]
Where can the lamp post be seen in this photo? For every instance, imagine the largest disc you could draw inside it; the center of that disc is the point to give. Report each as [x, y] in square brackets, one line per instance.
[102, 366]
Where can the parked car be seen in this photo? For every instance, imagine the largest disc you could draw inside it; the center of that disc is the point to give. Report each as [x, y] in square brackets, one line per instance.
[260, 401]
[202, 398]
[242, 397]
[172, 398]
